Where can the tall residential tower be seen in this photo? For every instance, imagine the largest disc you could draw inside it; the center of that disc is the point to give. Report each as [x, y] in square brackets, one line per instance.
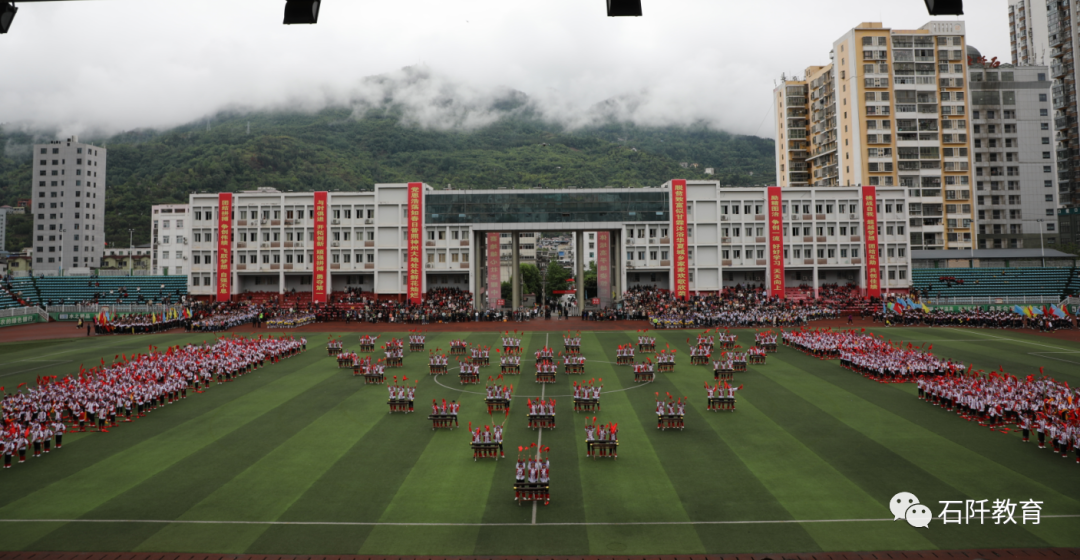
[889, 110]
[68, 205]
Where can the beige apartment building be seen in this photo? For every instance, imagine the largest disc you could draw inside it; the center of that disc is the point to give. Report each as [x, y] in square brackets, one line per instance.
[890, 109]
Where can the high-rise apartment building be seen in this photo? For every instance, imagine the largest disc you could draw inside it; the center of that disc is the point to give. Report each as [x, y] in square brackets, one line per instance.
[1064, 40]
[890, 110]
[68, 204]
[1012, 142]
[1027, 32]
[169, 238]
[792, 125]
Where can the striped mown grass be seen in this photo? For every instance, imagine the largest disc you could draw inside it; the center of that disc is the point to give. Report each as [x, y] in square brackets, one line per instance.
[303, 458]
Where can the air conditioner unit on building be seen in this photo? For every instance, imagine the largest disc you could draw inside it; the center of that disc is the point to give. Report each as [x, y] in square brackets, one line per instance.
[335, 244]
[264, 245]
[335, 222]
[264, 222]
[853, 217]
[369, 221]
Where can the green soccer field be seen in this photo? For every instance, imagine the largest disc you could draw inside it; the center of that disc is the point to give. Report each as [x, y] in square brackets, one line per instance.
[303, 458]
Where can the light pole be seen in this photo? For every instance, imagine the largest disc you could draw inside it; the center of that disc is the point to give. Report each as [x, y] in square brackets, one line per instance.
[62, 232]
[542, 259]
[131, 252]
[1042, 246]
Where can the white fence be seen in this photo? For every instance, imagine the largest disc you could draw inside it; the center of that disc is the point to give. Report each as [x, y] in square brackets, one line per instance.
[124, 272]
[987, 300]
[17, 311]
[113, 309]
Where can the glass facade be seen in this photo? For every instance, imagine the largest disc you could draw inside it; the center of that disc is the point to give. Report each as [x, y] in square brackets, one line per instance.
[515, 207]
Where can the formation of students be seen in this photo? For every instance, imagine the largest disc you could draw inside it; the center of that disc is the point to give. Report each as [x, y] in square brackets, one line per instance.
[1043, 405]
[395, 352]
[492, 435]
[573, 364]
[572, 343]
[137, 323]
[665, 360]
[1046, 320]
[545, 355]
[533, 468]
[739, 306]
[225, 319]
[438, 364]
[290, 320]
[765, 340]
[402, 395]
[496, 391]
[869, 355]
[445, 409]
[601, 440]
[511, 344]
[510, 365]
[458, 347]
[670, 413]
[127, 389]
[721, 396]
[481, 355]
[646, 343]
[624, 354]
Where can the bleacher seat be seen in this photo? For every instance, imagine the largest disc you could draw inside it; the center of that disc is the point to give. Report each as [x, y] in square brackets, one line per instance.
[994, 282]
[54, 290]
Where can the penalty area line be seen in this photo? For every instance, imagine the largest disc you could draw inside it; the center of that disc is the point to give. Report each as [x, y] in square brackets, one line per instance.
[403, 524]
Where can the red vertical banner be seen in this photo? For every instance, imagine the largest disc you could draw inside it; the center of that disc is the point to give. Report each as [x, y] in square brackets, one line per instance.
[318, 267]
[870, 224]
[603, 267]
[494, 270]
[776, 242]
[415, 281]
[680, 271]
[224, 259]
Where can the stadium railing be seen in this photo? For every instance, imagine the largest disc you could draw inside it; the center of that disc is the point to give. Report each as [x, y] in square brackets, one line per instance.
[15, 311]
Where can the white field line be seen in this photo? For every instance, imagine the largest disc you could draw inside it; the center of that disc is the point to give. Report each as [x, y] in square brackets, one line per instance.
[391, 524]
[540, 434]
[50, 364]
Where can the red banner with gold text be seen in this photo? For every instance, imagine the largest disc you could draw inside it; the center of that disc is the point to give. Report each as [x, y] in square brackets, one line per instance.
[603, 267]
[415, 281]
[680, 271]
[318, 266]
[224, 258]
[870, 223]
[494, 270]
[776, 242]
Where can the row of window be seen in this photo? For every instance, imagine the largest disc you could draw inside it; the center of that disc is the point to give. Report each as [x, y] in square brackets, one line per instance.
[74, 260]
[78, 183]
[1012, 185]
[89, 151]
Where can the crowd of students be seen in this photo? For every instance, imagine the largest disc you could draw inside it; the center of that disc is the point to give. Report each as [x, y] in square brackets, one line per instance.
[125, 390]
[740, 306]
[974, 317]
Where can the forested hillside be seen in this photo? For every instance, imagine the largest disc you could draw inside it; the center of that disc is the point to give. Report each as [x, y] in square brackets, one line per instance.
[335, 150]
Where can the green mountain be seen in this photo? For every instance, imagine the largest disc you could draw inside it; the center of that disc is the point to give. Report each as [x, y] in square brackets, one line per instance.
[346, 149]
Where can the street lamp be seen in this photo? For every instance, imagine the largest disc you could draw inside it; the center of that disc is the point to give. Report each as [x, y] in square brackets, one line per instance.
[131, 252]
[543, 258]
[62, 232]
[1042, 246]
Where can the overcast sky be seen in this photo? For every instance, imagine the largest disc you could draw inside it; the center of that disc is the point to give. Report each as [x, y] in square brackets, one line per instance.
[124, 64]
